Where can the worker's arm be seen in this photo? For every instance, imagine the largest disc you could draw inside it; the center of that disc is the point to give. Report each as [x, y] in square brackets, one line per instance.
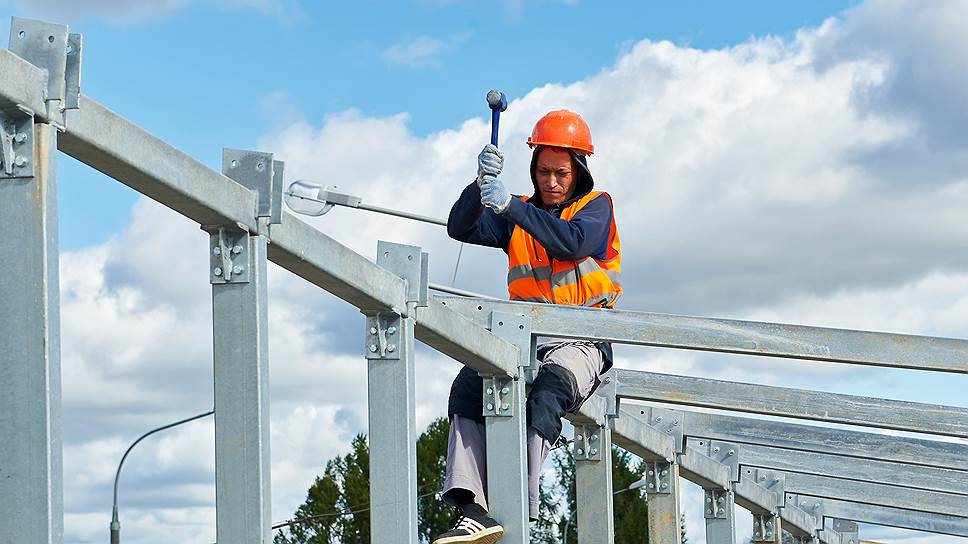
[471, 222]
[586, 234]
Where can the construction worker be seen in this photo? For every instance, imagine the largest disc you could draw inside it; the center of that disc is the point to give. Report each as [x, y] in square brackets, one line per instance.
[563, 248]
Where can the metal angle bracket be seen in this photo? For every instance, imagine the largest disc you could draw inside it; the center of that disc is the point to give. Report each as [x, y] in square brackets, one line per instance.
[764, 528]
[716, 503]
[726, 453]
[588, 443]
[409, 263]
[52, 47]
[848, 530]
[498, 396]
[608, 391]
[383, 336]
[810, 505]
[258, 172]
[772, 480]
[516, 329]
[658, 477]
[17, 155]
[229, 256]
[669, 422]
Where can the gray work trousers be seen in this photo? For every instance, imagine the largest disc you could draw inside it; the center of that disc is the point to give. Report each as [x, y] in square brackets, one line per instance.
[466, 460]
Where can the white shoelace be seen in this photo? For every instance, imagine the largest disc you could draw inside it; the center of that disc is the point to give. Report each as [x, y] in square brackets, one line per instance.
[469, 525]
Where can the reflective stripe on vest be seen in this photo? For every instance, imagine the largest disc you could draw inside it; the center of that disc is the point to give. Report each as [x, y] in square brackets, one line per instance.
[534, 277]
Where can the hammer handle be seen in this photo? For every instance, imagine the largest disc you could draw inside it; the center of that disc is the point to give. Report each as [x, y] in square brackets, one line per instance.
[495, 121]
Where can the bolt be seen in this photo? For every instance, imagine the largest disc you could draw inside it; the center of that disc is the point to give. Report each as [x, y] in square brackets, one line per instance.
[237, 249]
[769, 525]
[20, 138]
[391, 348]
[392, 330]
[216, 250]
[675, 423]
[490, 406]
[372, 330]
[716, 449]
[218, 271]
[372, 348]
[665, 472]
[579, 437]
[721, 511]
[505, 407]
[592, 437]
[20, 161]
[709, 511]
[665, 486]
[237, 269]
[816, 505]
[720, 500]
[581, 451]
[490, 390]
[651, 486]
[731, 453]
[651, 473]
[658, 419]
[593, 452]
[608, 380]
[709, 499]
[762, 477]
[505, 391]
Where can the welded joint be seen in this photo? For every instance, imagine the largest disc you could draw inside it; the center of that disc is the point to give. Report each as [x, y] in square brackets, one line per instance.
[410, 264]
[716, 501]
[765, 527]
[658, 477]
[52, 47]
[499, 396]
[17, 152]
[383, 336]
[258, 172]
[229, 259]
[588, 443]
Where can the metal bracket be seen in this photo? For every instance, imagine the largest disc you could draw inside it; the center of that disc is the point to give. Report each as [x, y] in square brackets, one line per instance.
[498, 396]
[726, 453]
[256, 171]
[588, 443]
[608, 391]
[516, 329]
[16, 145]
[409, 263]
[764, 528]
[383, 336]
[849, 531]
[717, 501]
[658, 477]
[50, 46]
[229, 256]
[810, 505]
[770, 479]
[669, 422]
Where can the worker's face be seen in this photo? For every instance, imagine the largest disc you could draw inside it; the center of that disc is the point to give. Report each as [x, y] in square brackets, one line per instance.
[555, 175]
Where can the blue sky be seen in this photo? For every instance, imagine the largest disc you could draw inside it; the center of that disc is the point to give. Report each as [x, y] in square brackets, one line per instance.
[775, 161]
[204, 77]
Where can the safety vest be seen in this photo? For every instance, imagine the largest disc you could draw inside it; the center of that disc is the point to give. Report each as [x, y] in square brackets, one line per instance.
[535, 277]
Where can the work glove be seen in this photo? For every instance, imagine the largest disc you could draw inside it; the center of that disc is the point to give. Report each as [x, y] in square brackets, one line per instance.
[495, 195]
[489, 163]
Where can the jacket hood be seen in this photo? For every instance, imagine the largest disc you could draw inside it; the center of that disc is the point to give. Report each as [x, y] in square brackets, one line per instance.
[583, 186]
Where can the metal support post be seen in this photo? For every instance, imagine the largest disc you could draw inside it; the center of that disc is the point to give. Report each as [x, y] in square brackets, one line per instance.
[240, 319]
[663, 492]
[766, 528]
[504, 415]
[593, 484]
[392, 403]
[720, 514]
[31, 466]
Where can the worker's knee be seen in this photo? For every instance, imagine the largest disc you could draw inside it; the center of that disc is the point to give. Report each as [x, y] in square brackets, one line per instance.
[467, 395]
[553, 393]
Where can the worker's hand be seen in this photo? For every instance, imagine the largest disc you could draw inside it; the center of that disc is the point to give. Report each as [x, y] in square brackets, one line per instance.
[495, 195]
[489, 163]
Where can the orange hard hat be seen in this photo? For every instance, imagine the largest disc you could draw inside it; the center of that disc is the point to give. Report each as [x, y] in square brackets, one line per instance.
[563, 128]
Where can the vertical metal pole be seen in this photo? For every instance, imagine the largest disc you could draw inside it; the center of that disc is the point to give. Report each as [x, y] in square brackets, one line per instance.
[593, 484]
[31, 465]
[663, 493]
[240, 325]
[720, 514]
[505, 425]
[392, 407]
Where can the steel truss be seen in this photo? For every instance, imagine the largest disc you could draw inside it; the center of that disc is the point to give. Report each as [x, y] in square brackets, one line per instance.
[810, 481]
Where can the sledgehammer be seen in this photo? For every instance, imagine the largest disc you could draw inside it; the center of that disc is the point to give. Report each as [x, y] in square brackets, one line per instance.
[498, 103]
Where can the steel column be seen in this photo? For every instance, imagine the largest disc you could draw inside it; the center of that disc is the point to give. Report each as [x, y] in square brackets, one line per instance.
[507, 455]
[593, 484]
[31, 466]
[392, 407]
[240, 318]
[720, 514]
[663, 492]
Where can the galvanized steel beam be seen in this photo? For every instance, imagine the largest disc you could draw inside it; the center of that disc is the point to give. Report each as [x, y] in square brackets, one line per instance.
[733, 336]
[31, 466]
[451, 334]
[794, 403]
[241, 357]
[23, 85]
[894, 517]
[703, 470]
[827, 440]
[633, 434]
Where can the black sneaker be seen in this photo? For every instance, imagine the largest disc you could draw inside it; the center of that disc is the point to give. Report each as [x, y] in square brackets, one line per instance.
[472, 526]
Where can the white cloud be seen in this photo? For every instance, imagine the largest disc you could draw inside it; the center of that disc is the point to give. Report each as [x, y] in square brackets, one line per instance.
[747, 184]
[424, 51]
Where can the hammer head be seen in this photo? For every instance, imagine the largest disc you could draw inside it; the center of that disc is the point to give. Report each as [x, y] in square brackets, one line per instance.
[497, 101]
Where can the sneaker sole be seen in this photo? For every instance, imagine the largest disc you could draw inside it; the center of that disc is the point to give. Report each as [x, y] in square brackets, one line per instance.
[487, 536]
